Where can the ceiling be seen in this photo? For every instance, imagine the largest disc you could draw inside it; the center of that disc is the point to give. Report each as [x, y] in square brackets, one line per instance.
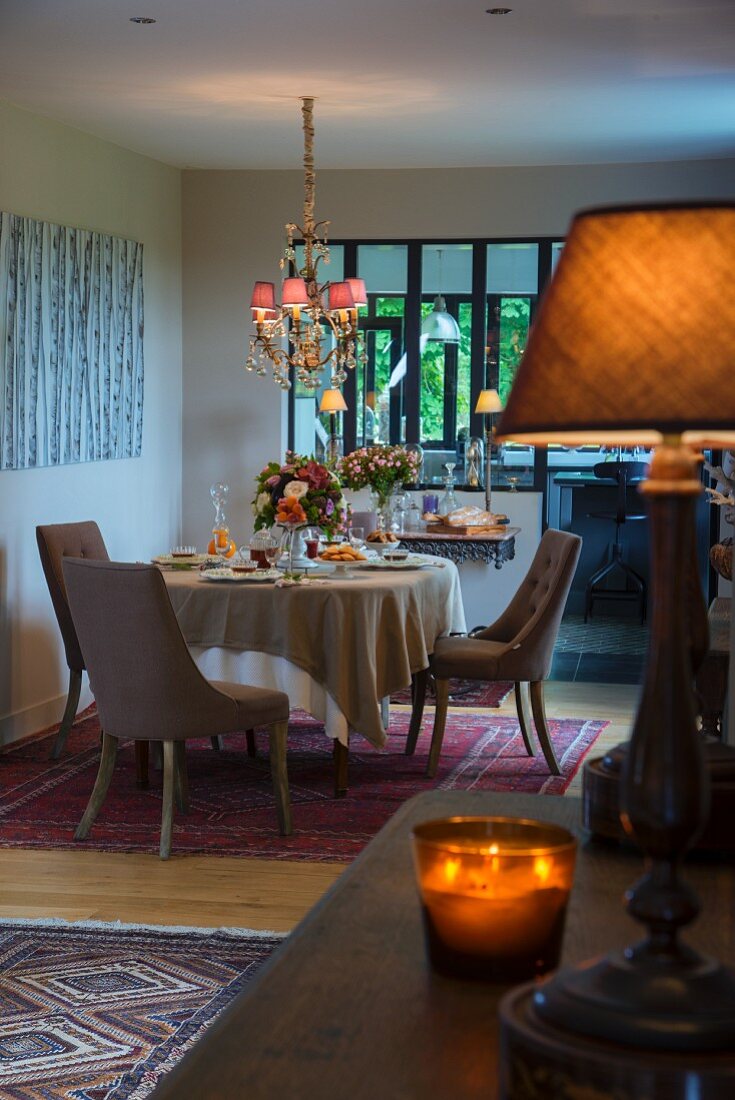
[399, 83]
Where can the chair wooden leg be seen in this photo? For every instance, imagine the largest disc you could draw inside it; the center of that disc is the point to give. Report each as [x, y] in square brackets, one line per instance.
[418, 695]
[341, 757]
[218, 743]
[180, 776]
[70, 713]
[169, 784]
[141, 764]
[101, 785]
[278, 734]
[250, 739]
[440, 721]
[542, 729]
[523, 718]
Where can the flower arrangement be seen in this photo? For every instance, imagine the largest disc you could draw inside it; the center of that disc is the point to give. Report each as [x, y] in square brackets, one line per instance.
[299, 491]
[381, 467]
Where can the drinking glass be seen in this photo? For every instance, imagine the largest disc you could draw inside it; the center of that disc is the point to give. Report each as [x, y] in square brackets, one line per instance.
[357, 537]
[311, 542]
[272, 551]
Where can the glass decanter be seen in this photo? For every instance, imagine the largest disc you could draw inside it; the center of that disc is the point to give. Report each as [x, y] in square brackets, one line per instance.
[448, 501]
[220, 527]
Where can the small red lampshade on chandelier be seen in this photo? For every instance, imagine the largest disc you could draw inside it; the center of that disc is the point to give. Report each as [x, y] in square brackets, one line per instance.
[340, 296]
[263, 302]
[359, 291]
[294, 293]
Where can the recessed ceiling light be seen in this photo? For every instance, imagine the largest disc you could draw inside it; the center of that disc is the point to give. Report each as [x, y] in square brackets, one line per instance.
[141, 19]
[498, 11]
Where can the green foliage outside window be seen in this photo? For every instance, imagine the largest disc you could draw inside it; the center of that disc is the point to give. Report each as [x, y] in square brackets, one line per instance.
[515, 317]
[433, 377]
[464, 360]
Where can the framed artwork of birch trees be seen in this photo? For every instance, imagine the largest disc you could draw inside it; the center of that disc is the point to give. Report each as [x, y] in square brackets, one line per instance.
[71, 345]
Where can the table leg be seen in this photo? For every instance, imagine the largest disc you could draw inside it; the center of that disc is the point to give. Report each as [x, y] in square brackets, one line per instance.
[341, 754]
[141, 764]
[385, 711]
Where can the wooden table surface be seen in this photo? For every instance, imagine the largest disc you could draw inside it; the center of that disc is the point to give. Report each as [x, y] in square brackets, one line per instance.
[349, 1007]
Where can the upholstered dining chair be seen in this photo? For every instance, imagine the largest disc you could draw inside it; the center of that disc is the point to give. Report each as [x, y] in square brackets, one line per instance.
[518, 646]
[148, 687]
[55, 542]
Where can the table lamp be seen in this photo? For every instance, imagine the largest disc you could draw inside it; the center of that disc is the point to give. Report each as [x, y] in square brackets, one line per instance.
[332, 402]
[634, 343]
[488, 403]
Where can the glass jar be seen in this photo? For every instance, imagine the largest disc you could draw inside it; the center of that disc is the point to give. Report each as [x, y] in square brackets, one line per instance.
[413, 517]
[449, 500]
[400, 502]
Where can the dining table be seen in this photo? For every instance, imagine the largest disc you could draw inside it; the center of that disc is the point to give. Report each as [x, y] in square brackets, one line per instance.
[337, 645]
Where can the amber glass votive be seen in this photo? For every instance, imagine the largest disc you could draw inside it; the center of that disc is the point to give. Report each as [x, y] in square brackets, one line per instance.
[494, 894]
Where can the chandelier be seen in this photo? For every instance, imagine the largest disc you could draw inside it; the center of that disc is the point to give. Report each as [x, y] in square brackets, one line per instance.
[320, 321]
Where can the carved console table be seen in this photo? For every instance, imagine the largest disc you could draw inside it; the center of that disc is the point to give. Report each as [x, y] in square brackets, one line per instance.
[495, 548]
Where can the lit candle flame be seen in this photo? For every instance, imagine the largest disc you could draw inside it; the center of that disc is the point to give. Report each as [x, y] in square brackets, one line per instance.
[541, 868]
[451, 869]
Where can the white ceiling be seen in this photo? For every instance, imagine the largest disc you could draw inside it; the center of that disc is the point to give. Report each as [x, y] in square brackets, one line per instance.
[399, 83]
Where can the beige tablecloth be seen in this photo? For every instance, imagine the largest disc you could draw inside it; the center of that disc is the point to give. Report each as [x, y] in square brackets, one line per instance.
[361, 638]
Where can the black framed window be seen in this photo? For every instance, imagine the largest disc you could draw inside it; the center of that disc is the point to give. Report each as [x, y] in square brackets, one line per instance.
[414, 387]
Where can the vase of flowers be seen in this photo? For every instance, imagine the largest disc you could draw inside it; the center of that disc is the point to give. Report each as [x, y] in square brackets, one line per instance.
[381, 468]
[298, 492]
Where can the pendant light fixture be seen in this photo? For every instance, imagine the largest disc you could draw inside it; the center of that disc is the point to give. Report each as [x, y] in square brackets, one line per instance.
[439, 325]
[319, 320]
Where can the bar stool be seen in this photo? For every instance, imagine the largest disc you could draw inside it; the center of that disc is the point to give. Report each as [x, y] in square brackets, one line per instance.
[634, 586]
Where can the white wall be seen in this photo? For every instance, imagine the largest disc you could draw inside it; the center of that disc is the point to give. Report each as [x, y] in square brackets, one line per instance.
[54, 173]
[233, 234]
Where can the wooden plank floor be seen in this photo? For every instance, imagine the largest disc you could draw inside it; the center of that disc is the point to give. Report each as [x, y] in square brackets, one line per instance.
[213, 891]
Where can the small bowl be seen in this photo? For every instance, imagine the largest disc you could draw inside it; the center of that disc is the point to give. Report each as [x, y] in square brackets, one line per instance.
[244, 567]
[382, 548]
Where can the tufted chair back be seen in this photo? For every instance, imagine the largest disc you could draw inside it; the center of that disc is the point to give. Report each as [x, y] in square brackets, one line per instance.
[57, 541]
[531, 620]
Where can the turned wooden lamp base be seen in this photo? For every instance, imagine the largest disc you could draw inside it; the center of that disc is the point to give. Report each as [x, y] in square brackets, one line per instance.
[540, 1061]
[601, 797]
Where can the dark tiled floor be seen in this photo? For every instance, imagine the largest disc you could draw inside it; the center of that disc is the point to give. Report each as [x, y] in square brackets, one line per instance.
[606, 650]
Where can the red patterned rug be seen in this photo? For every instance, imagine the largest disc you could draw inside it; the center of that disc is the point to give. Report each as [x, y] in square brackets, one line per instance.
[466, 693]
[232, 808]
[101, 1011]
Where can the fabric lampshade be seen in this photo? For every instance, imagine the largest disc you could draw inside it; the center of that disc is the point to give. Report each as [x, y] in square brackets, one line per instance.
[294, 292]
[488, 401]
[332, 401]
[340, 296]
[635, 336]
[264, 298]
[359, 291]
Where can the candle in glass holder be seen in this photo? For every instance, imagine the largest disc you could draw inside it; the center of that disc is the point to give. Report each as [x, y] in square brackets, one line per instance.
[494, 894]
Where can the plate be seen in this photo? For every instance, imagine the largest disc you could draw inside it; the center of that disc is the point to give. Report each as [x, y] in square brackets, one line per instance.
[413, 561]
[343, 564]
[260, 576]
[173, 561]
